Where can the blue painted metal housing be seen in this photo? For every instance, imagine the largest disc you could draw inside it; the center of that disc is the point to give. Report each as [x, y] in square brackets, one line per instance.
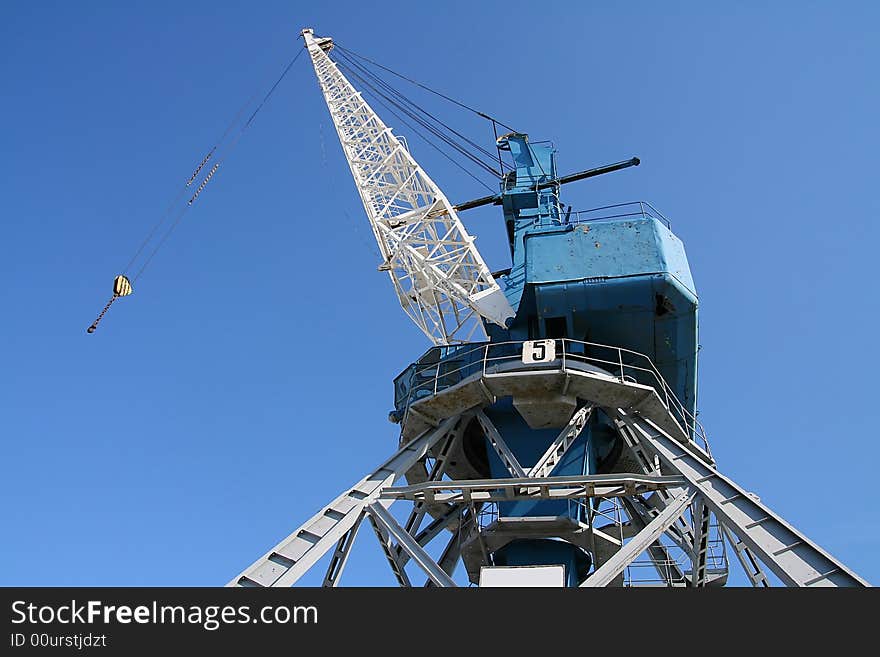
[620, 280]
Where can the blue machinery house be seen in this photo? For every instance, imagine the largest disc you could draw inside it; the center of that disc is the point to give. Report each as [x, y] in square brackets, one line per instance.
[613, 289]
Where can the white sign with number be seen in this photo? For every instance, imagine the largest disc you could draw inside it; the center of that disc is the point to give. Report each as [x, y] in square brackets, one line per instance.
[538, 351]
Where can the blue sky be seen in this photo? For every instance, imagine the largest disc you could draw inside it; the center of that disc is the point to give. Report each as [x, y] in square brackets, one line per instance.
[248, 379]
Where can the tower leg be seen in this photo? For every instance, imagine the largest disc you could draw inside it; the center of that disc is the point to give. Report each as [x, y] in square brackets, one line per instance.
[284, 564]
[789, 554]
[340, 555]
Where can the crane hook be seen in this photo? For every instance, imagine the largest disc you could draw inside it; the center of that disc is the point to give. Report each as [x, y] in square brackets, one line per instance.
[121, 288]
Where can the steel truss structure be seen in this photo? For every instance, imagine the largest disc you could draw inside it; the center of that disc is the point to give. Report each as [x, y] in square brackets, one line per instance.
[441, 280]
[677, 502]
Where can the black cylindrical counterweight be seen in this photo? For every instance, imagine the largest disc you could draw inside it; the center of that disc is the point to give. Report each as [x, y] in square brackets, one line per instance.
[589, 173]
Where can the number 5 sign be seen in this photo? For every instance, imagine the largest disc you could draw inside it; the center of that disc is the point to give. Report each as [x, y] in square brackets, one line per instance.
[538, 351]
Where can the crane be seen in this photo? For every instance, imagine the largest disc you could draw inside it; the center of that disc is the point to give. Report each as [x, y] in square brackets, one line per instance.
[561, 446]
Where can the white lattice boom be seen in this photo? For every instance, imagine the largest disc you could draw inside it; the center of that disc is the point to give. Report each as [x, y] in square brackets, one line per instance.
[438, 274]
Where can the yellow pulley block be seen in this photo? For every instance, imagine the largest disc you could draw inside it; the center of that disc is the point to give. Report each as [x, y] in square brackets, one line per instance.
[121, 288]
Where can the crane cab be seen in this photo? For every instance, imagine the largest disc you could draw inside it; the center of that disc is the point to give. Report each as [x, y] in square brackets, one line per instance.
[614, 276]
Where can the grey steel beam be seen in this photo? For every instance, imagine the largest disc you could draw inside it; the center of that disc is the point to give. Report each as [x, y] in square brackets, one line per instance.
[284, 564]
[682, 532]
[551, 488]
[387, 548]
[452, 552]
[664, 564]
[560, 445]
[788, 553]
[382, 516]
[430, 532]
[340, 555]
[437, 470]
[700, 515]
[638, 543]
[504, 453]
[647, 512]
[747, 560]
[450, 557]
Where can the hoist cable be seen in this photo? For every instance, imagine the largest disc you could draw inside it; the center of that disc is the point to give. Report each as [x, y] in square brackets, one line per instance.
[269, 93]
[433, 130]
[183, 189]
[421, 121]
[416, 132]
[422, 86]
[390, 105]
[215, 167]
[391, 109]
[402, 99]
[122, 285]
[405, 99]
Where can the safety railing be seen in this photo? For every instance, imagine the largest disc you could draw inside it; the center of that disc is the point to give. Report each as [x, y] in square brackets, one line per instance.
[630, 209]
[647, 570]
[448, 366]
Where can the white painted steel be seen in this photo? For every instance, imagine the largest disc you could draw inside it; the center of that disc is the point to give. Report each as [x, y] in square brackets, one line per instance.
[441, 280]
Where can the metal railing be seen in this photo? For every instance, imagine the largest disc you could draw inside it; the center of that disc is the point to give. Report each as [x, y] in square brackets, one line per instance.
[643, 571]
[646, 570]
[630, 209]
[455, 364]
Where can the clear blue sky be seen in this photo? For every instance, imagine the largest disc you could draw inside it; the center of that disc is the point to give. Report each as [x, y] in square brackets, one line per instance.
[248, 379]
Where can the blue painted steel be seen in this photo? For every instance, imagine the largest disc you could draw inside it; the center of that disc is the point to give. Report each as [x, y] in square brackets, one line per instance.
[546, 552]
[621, 281]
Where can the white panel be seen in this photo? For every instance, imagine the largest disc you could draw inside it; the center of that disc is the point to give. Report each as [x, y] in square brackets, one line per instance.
[493, 305]
[538, 351]
[522, 576]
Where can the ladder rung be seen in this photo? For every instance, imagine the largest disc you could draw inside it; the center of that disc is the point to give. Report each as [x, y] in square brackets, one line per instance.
[281, 560]
[787, 548]
[306, 535]
[758, 522]
[732, 498]
[706, 478]
[821, 577]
